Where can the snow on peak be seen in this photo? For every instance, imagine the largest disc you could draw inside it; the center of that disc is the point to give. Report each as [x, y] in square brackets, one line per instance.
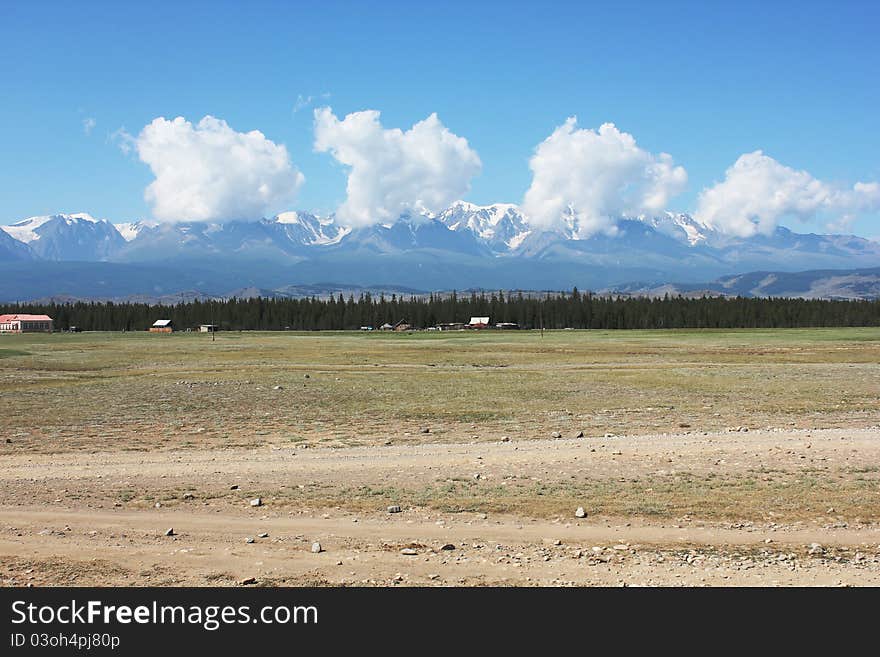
[307, 228]
[131, 229]
[26, 230]
[502, 225]
[291, 217]
[680, 226]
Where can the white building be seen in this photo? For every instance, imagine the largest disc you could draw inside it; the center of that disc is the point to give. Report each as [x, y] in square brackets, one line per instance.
[25, 324]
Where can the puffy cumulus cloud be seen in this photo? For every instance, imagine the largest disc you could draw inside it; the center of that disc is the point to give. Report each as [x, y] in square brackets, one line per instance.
[594, 177]
[210, 172]
[423, 169]
[757, 192]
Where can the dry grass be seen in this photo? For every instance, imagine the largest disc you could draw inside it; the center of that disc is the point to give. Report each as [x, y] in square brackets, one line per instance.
[104, 391]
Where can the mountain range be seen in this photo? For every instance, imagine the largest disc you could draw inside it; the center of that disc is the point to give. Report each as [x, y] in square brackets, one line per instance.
[464, 246]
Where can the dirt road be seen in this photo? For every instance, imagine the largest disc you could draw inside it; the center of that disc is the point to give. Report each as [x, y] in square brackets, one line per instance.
[780, 507]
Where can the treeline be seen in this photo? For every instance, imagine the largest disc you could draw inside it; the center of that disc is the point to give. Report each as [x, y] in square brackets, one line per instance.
[552, 311]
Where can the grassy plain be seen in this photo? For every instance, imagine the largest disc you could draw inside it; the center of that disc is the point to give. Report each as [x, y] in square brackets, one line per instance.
[118, 391]
[698, 447]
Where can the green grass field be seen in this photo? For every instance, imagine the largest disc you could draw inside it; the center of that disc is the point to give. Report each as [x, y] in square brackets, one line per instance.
[123, 391]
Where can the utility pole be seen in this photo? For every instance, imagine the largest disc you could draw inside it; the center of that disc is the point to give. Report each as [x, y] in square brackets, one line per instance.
[213, 325]
[541, 315]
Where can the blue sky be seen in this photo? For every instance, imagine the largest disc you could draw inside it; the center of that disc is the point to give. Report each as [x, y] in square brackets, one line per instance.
[705, 82]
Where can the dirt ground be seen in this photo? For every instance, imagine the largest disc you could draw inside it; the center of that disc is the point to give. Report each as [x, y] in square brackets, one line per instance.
[734, 458]
[105, 538]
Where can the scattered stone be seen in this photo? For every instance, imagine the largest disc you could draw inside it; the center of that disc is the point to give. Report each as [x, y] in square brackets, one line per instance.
[316, 547]
[249, 539]
[169, 531]
[580, 434]
[478, 476]
[188, 496]
[248, 580]
[393, 509]
[278, 388]
[610, 435]
[505, 439]
[263, 535]
[257, 502]
[157, 505]
[234, 487]
[580, 512]
[306, 376]
[409, 552]
[684, 425]
[447, 547]
[556, 434]
[9, 441]
[426, 430]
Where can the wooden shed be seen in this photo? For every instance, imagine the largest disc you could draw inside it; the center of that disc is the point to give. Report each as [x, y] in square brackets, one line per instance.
[162, 326]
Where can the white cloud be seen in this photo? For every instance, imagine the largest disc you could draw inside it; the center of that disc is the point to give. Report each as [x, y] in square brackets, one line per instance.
[597, 176]
[757, 192]
[423, 169]
[88, 125]
[210, 172]
[305, 101]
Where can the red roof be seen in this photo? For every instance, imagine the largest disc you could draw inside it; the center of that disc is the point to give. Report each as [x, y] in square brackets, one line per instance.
[26, 318]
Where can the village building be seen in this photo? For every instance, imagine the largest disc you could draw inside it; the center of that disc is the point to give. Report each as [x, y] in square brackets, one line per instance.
[450, 326]
[21, 323]
[478, 323]
[208, 328]
[507, 326]
[162, 326]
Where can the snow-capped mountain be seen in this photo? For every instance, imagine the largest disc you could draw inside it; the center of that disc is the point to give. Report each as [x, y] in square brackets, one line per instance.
[465, 245]
[304, 228]
[502, 226]
[131, 230]
[681, 227]
[287, 234]
[413, 233]
[12, 249]
[68, 236]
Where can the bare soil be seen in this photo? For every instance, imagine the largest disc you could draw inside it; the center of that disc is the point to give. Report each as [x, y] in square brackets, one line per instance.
[504, 510]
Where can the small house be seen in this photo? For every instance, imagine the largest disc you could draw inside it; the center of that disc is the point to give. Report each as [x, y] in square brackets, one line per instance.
[386, 327]
[478, 323]
[162, 326]
[507, 326]
[208, 328]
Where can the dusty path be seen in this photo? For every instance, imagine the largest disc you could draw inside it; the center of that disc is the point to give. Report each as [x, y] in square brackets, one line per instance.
[93, 518]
